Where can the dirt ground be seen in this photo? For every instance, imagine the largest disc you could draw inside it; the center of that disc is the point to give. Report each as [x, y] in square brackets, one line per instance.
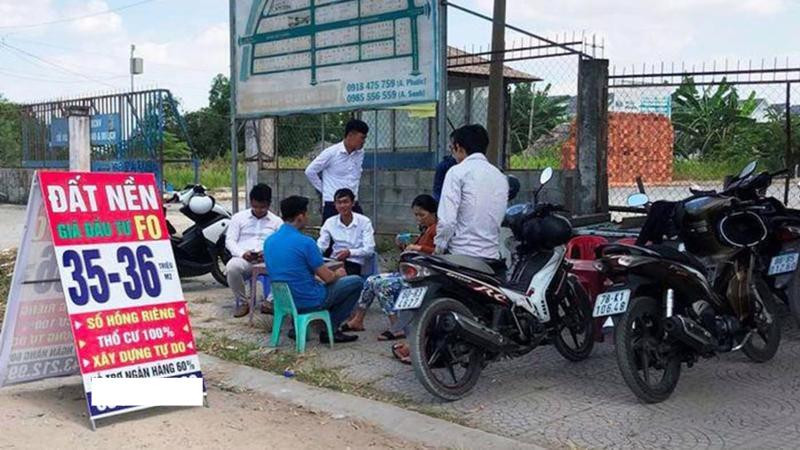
[52, 414]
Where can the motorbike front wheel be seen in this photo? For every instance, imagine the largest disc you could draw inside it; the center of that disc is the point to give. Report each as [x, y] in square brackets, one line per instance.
[649, 371]
[447, 366]
[574, 334]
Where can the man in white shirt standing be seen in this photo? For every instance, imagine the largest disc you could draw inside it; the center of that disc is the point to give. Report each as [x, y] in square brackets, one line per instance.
[245, 238]
[340, 167]
[474, 198]
[350, 233]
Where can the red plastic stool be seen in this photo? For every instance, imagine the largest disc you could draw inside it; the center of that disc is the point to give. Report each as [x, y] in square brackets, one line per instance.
[583, 247]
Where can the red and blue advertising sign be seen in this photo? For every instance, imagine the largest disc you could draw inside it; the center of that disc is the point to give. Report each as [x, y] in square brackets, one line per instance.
[123, 295]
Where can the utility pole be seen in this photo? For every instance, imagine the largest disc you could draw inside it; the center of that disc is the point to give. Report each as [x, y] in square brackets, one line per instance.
[530, 117]
[497, 84]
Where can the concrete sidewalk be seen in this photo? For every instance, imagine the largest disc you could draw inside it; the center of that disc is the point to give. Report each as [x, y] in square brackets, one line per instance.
[404, 424]
[541, 399]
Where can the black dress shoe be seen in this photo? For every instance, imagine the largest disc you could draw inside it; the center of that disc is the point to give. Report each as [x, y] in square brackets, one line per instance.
[338, 337]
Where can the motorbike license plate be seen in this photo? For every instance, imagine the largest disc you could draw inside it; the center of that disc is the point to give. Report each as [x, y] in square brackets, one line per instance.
[783, 263]
[410, 298]
[610, 303]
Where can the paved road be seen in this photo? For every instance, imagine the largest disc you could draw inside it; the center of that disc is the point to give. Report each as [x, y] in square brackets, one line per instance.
[542, 399]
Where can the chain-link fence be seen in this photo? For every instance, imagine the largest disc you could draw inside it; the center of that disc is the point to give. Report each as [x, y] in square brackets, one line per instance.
[675, 128]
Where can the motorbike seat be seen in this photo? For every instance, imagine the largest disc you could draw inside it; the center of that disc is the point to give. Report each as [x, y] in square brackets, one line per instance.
[678, 256]
[492, 267]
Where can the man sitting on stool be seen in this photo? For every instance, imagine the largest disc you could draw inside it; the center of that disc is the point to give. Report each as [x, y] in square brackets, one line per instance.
[245, 238]
[294, 259]
[351, 233]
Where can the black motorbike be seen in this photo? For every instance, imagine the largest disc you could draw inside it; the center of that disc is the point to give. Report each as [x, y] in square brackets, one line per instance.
[780, 250]
[668, 309]
[200, 249]
[467, 312]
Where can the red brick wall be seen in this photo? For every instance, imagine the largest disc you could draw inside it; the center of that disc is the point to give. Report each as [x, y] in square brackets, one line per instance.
[639, 144]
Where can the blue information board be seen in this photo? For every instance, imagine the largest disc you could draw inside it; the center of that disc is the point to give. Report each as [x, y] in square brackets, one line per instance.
[104, 130]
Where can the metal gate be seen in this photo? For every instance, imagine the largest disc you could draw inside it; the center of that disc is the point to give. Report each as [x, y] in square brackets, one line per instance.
[127, 132]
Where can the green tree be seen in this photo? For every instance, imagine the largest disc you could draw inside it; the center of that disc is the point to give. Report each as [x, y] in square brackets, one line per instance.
[10, 134]
[711, 123]
[209, 127]
[548, 112]
[175, 148]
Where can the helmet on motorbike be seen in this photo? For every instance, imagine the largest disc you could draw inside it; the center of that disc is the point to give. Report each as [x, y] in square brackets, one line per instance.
[513, 187]
[201, 204]
[546, 233]
[742, 229]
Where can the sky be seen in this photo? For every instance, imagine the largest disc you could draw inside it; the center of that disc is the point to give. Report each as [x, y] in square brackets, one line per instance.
[45, 53]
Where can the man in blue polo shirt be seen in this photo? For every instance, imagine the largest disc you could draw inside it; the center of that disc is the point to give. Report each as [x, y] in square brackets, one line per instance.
[293, 258]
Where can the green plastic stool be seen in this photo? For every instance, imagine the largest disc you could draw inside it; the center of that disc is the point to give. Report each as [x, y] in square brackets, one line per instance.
[283, 304]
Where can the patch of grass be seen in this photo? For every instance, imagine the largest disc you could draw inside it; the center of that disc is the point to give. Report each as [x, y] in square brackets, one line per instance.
[306, 371]
[216, 173]
[545, 157]
[7, 259]
[706, 170]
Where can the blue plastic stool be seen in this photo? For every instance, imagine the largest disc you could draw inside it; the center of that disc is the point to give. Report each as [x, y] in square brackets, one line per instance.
[284, 305]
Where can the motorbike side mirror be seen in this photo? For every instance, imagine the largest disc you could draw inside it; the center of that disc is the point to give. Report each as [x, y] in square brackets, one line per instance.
[748, 170]
[636, 200]
[546, 175]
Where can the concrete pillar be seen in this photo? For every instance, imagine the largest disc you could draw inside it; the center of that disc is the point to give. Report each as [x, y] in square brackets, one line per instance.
[80, 147]
[494, 119]
[592, 137]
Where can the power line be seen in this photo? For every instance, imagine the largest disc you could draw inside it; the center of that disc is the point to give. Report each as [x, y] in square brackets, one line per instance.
[50, 63]
[71, 19]
[108, 55]
[24, 76]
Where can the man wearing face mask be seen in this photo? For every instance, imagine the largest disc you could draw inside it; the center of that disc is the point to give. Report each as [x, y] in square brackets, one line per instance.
[339, 167]
[245, 238]
[474, 198]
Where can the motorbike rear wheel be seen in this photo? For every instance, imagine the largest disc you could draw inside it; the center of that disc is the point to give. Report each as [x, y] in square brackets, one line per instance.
[574, 338]
[448, 367]
[640, 352]
[764, 342]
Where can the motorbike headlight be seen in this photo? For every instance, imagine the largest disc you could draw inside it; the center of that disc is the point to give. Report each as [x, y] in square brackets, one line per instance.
[413, 272]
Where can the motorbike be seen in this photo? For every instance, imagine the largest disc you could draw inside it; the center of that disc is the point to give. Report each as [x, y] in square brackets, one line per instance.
[467, 312]
[669, 310]
[200, 249]
[781, 249]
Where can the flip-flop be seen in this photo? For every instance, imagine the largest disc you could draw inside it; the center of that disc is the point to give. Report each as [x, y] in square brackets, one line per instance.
[389, 336]
[403, 359]
[346, 327]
